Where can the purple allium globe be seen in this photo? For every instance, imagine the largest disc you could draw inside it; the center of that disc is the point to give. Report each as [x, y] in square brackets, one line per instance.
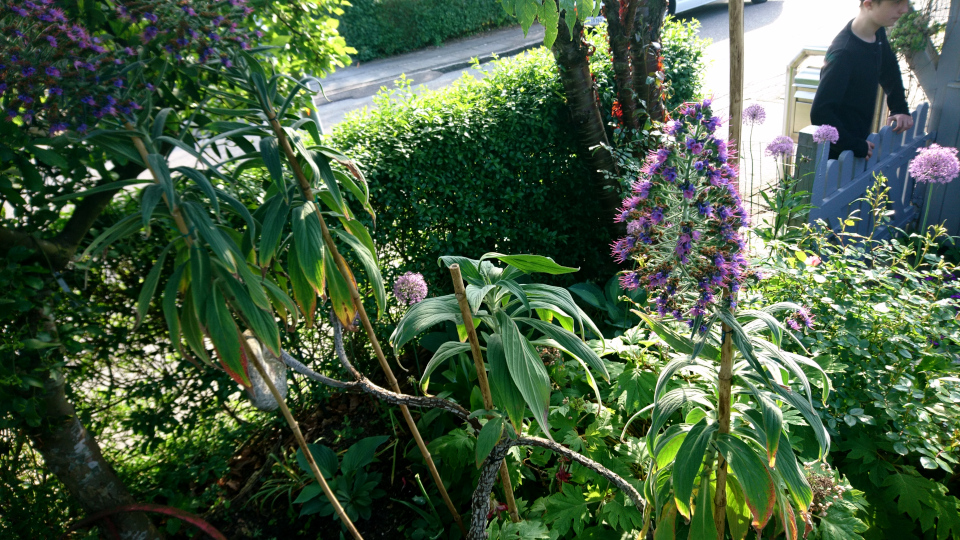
[754, 115]
[781, 147]
[683, 220]
[826, 133]
[935, 164]
[410, 288]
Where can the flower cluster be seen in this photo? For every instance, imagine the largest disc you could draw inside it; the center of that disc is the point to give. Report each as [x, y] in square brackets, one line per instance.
[754, 115]
[781, 147]
[410, 288]
[935, 164]
[826, 133]
[683, 220]
[800, 319]
[57, 74]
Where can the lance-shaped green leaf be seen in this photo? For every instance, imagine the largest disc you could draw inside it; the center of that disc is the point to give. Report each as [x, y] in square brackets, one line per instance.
[475, 296]
[446, 351]
[204, 184]
[210, 234]
[370, 266]
[121, 229]
[200, 280]
[469, 268]
[338, 288]
[670, 403]
[668, 372]
[308, 237]
[792, 474]
[755, 479]
[506, 395]
[488, 437]
[667, 524]
[548, 315]
[254, 285]
[687, 465]
[119, 184]
[526, 370]
[771, 422]
[423, 315]
[159, 167]
[570, 342]
[190, 324]
[702, 526]
[261, 322]
[359, 189]
[150, 285]
[809, 414]
[170, 307]
[281, 302]
[589, 293]
[225, 336]
[270, 153]
[303, 291]
[738, 513]
[562, 300]
[677, 342]
[160, 121]
[149, 198]
[326, 174]
[531, 263]
[517, 293]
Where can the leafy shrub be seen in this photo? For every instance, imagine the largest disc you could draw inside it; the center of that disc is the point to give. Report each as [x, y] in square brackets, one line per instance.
[377, 28]
[887, 330]
[488, 165]
[683, 52]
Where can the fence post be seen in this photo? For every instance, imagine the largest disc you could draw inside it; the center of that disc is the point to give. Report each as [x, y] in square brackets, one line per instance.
[805, 167]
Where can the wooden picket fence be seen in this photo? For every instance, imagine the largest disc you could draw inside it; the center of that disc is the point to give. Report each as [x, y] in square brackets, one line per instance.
[837, 184]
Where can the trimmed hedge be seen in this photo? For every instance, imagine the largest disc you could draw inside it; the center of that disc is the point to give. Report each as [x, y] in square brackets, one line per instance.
[378, 28]
[483, 165]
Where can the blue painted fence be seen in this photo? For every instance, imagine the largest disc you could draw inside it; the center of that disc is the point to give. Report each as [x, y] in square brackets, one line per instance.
[836, 184]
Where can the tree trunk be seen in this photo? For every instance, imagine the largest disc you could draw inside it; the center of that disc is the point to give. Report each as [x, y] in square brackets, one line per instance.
[645, 56]
[573, 63]
[71, 453]
[620, 23]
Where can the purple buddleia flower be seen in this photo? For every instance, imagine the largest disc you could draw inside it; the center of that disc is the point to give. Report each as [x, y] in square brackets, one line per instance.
[781, 147]
[754, 115]
[410, 288]
[935, 164]
[826, 133]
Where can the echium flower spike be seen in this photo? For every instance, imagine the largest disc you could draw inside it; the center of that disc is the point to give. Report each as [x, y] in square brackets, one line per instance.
[683, 220]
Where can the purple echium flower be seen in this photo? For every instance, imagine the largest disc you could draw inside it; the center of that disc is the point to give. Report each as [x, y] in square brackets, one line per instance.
[935, 164]
[683, 220]
[781, 147]
[754, 115]
[410, 288]
[826, 133]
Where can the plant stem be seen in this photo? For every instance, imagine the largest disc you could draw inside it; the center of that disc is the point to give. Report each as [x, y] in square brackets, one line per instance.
[482, 381]
[723, 413]
[304, 448]
[926, 209]
[174, 209]
[307, 193]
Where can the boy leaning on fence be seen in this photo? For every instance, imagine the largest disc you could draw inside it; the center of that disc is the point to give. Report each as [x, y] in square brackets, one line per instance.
[859, 58]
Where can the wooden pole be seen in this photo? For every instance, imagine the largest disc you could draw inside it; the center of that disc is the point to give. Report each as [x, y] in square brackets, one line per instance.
[736, 70]
[482, 381]
[726, 348]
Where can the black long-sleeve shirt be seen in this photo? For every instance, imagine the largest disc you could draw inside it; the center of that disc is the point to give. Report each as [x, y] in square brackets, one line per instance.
[847, 95]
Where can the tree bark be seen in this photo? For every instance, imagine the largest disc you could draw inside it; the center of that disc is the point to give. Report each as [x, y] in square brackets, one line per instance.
[71, 453]
[620, 17]
[645, 57]
[572, 55]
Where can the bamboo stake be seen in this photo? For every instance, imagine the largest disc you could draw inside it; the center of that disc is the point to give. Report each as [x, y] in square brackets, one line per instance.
[482, 381]
[307, 193]
[304, 448]
[726, 347]
[185, 230]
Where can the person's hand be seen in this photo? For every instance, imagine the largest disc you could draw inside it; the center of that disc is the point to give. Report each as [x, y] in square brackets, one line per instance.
[900, 122]
[869, 149]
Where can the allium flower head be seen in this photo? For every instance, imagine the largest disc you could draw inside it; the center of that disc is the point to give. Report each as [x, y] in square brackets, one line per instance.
[826, 133]
[754, 115]
[935, 163]
[683, 221]
[410, 288]
[781, 147]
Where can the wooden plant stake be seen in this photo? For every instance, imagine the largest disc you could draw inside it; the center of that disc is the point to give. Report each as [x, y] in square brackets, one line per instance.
[482, 381]
[307, 193]
[726, 337]
[303, 445]
[185, 230]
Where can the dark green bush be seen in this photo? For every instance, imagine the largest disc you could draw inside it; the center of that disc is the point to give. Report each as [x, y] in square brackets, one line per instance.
[379, 28]
[487, 165]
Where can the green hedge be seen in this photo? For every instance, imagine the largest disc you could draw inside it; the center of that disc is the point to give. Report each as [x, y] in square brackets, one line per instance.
[488, 165]
[379, 28]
